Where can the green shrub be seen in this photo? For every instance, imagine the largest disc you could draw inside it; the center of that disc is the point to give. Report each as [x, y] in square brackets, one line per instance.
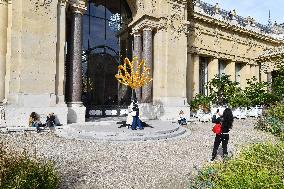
[273, 121]
[258, 166]
[200, 101]
[18, 171]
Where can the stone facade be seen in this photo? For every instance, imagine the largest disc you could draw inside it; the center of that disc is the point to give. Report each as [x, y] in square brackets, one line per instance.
[36, 75]
[233, 41]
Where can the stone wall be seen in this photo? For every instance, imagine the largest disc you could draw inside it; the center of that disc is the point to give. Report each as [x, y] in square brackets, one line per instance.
[220, 40]
[31, 64]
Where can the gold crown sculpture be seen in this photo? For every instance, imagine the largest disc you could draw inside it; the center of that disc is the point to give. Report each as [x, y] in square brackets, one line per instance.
[133, 79]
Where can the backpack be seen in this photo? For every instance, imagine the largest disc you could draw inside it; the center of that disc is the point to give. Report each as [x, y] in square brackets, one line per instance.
[214, 118]
[217, 129]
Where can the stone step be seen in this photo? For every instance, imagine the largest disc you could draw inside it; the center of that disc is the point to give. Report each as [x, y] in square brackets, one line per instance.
[109, 132]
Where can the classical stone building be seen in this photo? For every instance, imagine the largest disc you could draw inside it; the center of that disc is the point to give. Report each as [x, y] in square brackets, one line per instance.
[59, 55]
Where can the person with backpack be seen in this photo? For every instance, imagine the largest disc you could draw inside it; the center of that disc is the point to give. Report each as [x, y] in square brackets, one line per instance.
[221, 129]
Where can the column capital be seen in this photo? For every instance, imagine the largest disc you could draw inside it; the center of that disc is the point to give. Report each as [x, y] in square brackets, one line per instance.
[62, 2]
[78, 6]
[148, 28]
[136, 32]
[5, 2]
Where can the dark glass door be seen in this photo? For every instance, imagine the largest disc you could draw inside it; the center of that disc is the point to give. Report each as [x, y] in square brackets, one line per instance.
[106, 41]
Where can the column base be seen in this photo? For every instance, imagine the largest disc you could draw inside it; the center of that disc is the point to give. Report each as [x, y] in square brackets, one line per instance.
[76, 112]
[171, 113]
[148, 111]
[171, 106]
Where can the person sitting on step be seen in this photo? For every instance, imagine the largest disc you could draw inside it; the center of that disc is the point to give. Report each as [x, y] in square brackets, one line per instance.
[50, 120]
[181, 118]
[34, 121]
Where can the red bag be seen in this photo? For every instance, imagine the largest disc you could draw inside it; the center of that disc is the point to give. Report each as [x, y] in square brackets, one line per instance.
[217, 129]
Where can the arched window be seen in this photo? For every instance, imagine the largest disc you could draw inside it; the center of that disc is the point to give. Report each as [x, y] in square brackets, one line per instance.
[106, 41]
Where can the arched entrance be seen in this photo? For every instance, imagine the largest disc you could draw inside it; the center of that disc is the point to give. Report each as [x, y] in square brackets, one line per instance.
[106, 42]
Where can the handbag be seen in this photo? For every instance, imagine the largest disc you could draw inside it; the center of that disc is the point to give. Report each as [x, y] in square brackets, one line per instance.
[217, 129]
[133, 113]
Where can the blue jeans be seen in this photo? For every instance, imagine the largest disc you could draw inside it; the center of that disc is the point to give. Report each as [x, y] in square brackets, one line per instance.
[35, 125]
[136, 121]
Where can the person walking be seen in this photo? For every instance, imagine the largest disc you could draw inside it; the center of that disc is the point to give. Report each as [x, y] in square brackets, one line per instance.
[226, 124]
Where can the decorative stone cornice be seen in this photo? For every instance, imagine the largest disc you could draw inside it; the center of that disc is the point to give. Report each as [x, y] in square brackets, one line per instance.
[207, 52]
[78, 6]
[147, 21]
[272, 55]
[197, 17]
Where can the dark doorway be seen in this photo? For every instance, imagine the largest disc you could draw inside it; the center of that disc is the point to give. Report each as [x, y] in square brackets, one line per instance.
[106, 42]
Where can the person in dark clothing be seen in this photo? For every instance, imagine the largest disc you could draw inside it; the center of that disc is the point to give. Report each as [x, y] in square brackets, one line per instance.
[226, 123]
[50, 120]
[136, 120]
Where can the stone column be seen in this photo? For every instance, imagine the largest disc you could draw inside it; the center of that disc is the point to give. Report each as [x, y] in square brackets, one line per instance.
[195, 75]
[60, 51]
[231, 70]
[76, 110]
[212, 69]
[137, 51]
[256, 72]
[245, 74]
[148, 58]
[269, 80]
[3, 46]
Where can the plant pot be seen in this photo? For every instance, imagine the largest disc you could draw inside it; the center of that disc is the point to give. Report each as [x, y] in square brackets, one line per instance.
[252, 112]
[240, 113]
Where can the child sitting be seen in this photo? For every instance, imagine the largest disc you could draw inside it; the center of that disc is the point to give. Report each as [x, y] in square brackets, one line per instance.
[181, 118]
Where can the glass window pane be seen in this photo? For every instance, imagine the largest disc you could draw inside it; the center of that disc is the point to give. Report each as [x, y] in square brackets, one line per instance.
[113, 7]
[97, 36]
[85, 31]
[91, 9]
[100, 11]
[111, 36]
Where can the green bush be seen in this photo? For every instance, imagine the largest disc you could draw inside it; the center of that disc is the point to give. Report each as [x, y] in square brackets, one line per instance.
[18, 171]
[273, 121]
[200, 101]
[258, 166]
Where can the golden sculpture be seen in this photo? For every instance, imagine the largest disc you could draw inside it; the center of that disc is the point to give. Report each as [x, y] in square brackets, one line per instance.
[134, 79]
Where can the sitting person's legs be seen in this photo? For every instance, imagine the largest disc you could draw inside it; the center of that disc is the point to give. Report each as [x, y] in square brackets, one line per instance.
[183, 121]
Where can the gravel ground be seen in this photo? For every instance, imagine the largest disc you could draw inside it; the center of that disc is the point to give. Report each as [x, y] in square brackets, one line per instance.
[151, 164]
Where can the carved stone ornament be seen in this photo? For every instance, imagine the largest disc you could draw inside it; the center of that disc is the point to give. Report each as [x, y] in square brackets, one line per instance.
[176, 21]
[78, 6]
[41, 7]
[140, 4]
[62, 2]
[4, 2]
[177, 25]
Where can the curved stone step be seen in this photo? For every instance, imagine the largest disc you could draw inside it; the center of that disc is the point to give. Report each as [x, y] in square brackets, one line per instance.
[109, 131]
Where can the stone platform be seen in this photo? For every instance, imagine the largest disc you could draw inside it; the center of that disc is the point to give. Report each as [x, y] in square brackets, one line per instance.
[118, 131]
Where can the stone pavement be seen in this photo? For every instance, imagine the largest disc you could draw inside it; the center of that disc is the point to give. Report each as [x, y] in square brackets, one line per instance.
[161, 164]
